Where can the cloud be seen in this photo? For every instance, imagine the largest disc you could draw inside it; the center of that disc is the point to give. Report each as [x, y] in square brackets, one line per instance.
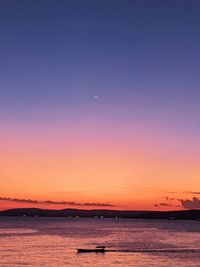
[185, 192]
[163, 205]
[169, 199]
[193, 192]
[194, 203]
[51, 202]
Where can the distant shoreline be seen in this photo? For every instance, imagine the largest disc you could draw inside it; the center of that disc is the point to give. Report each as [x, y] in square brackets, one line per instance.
[100, 214]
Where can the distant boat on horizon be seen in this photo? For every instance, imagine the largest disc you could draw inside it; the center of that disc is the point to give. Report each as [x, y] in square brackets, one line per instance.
[172, 218]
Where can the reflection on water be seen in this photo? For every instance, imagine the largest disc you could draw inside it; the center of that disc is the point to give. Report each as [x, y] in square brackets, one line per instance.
[53, 242]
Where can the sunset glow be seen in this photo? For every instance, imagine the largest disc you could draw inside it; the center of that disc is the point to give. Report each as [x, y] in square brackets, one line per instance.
[95, 118]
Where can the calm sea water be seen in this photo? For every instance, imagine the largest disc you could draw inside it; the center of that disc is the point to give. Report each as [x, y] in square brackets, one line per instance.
[52, 242]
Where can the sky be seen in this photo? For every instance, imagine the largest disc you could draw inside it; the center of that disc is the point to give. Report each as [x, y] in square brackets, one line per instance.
[99, 104]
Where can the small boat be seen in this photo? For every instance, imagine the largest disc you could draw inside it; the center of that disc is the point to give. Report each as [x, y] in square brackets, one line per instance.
[98, 249]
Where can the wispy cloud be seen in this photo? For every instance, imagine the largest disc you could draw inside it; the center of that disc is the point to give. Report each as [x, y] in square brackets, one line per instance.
[52, 202]
[193, 203]
[164, 205]
[171, 192]
[184, 192]
[193, 192]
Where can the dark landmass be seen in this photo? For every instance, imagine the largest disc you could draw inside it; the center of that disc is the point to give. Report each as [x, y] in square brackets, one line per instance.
[33, 212]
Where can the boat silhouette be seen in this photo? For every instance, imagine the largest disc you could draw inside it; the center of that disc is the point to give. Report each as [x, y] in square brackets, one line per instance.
[98, 249]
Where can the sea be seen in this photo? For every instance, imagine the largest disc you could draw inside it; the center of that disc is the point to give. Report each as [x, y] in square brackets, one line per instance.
[53, 242]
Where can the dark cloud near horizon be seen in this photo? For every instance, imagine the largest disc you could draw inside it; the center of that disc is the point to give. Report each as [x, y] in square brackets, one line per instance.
[193, 203]
[51, 202]
[163, 204]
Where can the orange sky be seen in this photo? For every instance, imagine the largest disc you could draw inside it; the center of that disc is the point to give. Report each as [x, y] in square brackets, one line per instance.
[134, 173]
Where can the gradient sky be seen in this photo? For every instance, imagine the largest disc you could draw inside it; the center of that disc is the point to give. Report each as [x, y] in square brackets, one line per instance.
[99, 103]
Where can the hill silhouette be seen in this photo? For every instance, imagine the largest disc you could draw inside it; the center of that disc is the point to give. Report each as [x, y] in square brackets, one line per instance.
[100, 213]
